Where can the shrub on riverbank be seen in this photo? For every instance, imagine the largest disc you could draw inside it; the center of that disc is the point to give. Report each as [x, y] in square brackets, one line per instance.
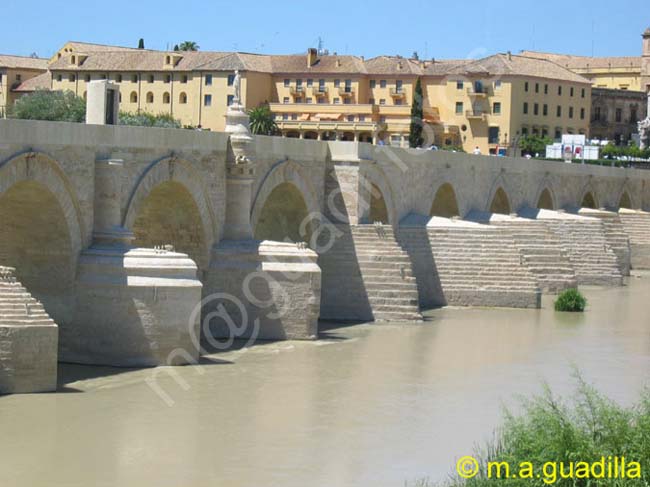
[571, 300]
[585, 430]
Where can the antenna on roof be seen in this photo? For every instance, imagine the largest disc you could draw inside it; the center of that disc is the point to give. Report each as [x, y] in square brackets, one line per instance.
[321, 51]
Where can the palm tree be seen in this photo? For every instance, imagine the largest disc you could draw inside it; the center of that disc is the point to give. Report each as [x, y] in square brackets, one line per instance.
[262, 121]
[188, 46]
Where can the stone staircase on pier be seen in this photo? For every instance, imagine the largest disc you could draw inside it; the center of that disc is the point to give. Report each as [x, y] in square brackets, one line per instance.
[636, 224]
[480, 265]
[368, 277]
[28, 340]
[615, 234]
[584, 239]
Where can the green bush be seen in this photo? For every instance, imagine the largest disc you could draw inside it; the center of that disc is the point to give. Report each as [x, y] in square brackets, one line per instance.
[587, 429]
[571, 300]
[144, 119]
[57, 106]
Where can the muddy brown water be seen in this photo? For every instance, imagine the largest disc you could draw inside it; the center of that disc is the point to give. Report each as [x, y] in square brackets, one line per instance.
[368, 405]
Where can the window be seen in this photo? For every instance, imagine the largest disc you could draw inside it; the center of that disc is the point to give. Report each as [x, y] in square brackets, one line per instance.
[545, 110]
[207, 100]
[496, 108]
[299, 84]
[582, 93]
[285, 100]
[597, 113]
[619, 115]
[459, 107]
[134, 97]
[166, 98]
[399, 84]
[350, 118]
[118, 78]
[337, 101]
[558, 134]
[59, 77]
[287, 83]
[103, 76]
[149, 97]
[382, 119]
[526, 86]
[524, 131]
[208, 80]
[362, 118]
[398, 102]
[299, 100]
[348, 85]
[310, 82]
[72, 77]
[87, 78]
[559, 111]
[294, 116]
[337, 83]
[536, 109]
[459, 85]
[373, 83]
[536, 87]
[571, 92]
[633, 114]
[285, 116]
[559, 90]
[182, 98]
[347, 101]
[184, 79]
[230, 99]
[497, 83]
[150, 78]
[570, 112]
[321, 100]
[309, 99]
[321, 84]
[525, 108]
[382, 101]
[493, 135]
[0, 78]
[546, 88]
[382, 83]
[134, 78]
[168, 78]
[231, 79]
[371, 101]
[582, 114]
[544, 132]
[119, 97]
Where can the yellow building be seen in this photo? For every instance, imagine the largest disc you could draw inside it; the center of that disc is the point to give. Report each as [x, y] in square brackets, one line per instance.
[490, 103]
[16, 71]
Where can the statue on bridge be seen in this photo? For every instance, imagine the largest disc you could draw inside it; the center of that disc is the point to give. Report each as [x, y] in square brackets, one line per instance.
[644, 129]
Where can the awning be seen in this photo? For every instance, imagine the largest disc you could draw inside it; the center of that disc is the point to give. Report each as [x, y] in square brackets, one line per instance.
[304, 116]
[327, 116]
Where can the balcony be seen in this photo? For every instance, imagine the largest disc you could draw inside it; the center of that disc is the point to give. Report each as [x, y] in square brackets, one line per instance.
[297, 90]
[311, 108]
[477, 114]
[478, 91]
[346, 91]
[319, 90]
[328, 125]
[397, 93]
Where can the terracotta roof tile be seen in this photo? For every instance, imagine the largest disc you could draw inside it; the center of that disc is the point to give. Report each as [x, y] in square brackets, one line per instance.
[8, 61]
[41, 82]
[585, 62]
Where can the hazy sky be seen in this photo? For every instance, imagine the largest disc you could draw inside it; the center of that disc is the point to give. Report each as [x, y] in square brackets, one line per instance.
[441, 29]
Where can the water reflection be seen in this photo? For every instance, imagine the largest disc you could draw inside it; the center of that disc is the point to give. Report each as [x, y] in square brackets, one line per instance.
[369, 405]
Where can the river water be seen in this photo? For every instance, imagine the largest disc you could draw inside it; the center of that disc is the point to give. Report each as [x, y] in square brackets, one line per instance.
[368, 405]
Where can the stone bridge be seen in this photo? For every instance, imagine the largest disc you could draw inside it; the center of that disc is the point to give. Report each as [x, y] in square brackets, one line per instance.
[71, 194]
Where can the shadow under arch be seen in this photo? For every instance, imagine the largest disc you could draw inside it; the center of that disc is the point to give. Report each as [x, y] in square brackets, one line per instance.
[445, 203]
[376, 200]
[625, 201]
[589, 201]
[169, 205]
[545, 201]
[500, 202]
[41, 231]
[285, 197]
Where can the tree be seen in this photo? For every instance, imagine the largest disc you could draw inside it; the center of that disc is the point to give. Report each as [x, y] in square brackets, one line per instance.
[176, 48]
[534, 144]
[262, 121]
[145, 119]
[58, 106]
[415, 131]
[141, 43]
[188, 46]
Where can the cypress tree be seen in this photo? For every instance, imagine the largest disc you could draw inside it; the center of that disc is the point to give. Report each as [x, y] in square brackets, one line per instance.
[415, 132]
[141, 43]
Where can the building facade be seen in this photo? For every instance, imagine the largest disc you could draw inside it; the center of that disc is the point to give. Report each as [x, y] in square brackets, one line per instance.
[14, 72]
[615, 114]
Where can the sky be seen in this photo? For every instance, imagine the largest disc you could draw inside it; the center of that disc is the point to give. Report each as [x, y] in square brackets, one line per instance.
[435, 29]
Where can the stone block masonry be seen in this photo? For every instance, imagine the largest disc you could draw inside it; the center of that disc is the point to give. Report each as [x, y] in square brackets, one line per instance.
[28, 340]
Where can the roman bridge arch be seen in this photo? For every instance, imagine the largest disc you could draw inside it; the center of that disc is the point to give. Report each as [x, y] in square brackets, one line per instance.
[169, 204]
[499, 200]
[545, 198]
[445, 201]
[589, 198]
[285, 206]
[41, 229]
[376, 197]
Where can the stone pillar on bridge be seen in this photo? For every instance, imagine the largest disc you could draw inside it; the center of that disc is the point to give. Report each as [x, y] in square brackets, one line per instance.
[255, 289]
[135, 306]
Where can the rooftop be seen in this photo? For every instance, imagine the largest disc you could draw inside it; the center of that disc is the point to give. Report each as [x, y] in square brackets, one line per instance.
[22, 62]
[586, 62]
